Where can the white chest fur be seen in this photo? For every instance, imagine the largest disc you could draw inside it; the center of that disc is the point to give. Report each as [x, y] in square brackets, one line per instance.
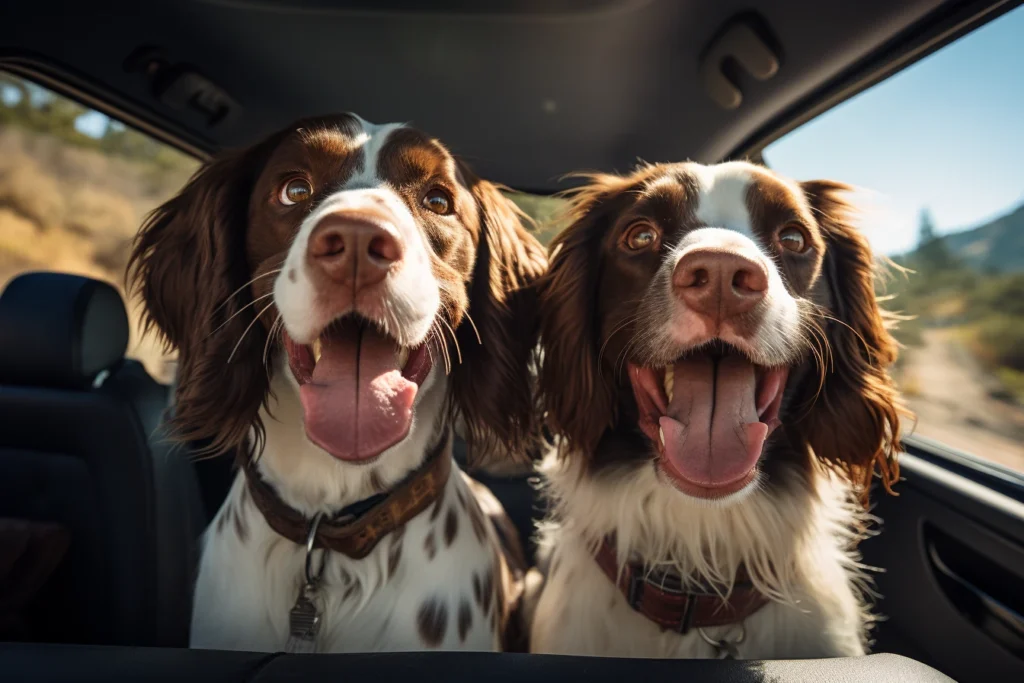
[796, 544]
[581, 612]
[432, 584]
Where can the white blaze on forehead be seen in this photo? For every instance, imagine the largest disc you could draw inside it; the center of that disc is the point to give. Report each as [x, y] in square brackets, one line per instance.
[724, 224]
[722, 196]
[721, 239]
[410, 290]
[370, 140]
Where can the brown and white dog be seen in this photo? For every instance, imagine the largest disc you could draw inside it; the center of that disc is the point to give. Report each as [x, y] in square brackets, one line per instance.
[715, 365]
[337, 294]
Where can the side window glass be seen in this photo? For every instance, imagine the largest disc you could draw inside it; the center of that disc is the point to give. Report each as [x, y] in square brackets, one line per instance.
[937, 150]
[547, 213]
[75, 185]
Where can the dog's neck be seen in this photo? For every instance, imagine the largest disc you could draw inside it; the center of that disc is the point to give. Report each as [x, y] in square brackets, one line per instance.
[310, 480]
[660, 528]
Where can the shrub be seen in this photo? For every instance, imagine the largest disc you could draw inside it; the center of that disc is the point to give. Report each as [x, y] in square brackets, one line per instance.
[1013, 380]
[999, 340]
[908, 332]
[1003, 294]
[31, 192]
[100, 214]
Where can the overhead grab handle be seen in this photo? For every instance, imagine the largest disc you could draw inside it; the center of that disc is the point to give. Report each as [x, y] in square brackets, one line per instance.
[739, 44]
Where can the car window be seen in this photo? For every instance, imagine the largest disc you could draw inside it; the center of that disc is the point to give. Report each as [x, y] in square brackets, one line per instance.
[935, 152]
[547, 212]
[74, 187]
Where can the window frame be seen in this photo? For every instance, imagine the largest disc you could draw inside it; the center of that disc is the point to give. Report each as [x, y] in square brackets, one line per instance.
[68, 83]
[988, 473]
[940, 28]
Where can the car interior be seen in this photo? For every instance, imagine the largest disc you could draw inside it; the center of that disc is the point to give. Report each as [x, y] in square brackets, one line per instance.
[526, 90]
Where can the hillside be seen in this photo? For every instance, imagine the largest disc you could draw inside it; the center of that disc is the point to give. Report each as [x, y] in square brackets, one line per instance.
[995, 247]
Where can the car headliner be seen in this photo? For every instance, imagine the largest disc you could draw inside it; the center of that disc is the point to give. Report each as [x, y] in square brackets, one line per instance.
[525, 90]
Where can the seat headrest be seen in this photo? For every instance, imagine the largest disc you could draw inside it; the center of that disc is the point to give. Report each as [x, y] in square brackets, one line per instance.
[59, 330]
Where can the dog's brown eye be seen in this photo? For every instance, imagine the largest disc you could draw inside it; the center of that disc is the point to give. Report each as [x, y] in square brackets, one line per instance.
[792, 239]
[295, 191]
[438, 201]
[640, 236]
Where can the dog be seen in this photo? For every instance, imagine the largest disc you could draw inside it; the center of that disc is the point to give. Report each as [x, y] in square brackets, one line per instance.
[715, 369]
[338, 294]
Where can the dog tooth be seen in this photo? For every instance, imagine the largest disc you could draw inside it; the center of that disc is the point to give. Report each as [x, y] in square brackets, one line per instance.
[670, 382]
[661, 434]
[317, 349]
[403, 356]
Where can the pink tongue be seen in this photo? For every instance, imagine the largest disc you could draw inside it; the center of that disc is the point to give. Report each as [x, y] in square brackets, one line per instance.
[357, 404]
[712, 433]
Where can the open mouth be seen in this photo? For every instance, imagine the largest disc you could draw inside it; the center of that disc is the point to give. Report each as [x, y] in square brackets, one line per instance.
[708, 414]
[357, 387]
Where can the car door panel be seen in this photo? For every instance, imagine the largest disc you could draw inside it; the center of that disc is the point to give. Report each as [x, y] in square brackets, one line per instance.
[952, 554]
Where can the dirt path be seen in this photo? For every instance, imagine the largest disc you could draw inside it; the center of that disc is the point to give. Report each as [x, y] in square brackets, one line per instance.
[953, 405]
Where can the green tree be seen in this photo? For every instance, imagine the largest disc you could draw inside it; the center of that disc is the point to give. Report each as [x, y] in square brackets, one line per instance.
[932, 250]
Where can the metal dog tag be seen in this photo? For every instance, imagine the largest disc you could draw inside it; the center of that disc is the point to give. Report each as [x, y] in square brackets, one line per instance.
[304, 617]
[304, 622]
[724, 649]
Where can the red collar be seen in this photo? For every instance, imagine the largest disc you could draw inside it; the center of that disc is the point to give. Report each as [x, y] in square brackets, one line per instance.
[660, 596]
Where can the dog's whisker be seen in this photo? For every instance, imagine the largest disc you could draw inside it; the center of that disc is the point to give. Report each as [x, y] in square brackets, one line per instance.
[821, 341]
[254, 321]
[638, 337]
[458, 350]
[627, 321]
[430, 354]
[235, 293]
[278, 324]
[240, 310]
[859, 336]
[443, 346]
[447, 352]
[475, 330]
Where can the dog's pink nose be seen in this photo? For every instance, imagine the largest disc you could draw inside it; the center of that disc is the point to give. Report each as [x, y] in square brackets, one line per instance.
[719, 284]
[353, 250]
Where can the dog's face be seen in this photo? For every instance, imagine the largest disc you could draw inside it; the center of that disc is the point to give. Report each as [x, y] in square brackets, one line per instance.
[715, 304]
[371, 258]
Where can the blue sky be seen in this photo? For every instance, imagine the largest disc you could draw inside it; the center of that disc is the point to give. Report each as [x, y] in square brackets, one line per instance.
[94, 123]
[947, 134]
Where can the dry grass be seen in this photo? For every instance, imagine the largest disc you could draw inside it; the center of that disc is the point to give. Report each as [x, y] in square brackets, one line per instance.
[30, 191]
[909, 383]
[77, 210]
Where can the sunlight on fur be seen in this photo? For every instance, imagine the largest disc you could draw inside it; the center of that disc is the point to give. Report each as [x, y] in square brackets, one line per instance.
[793, 542]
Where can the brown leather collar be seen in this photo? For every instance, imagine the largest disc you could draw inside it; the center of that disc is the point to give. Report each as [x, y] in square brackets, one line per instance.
[661, 598]
[356, 529]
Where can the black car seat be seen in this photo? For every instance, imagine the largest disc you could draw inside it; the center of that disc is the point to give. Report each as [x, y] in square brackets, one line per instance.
[80, 452]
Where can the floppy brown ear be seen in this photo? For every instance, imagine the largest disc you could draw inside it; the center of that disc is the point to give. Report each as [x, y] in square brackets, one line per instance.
[492, 388]
[188, 263]
[854, 423]
[576, 392]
